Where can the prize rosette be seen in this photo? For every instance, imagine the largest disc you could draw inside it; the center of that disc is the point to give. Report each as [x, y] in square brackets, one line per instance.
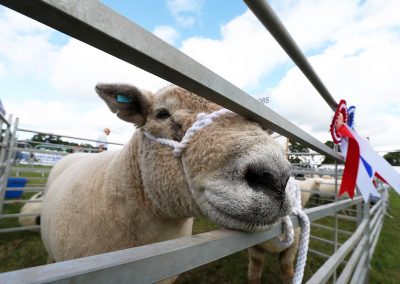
[338, 120]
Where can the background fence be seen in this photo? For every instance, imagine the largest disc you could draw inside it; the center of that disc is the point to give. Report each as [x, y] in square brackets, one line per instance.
[353, 233]
[27, 164]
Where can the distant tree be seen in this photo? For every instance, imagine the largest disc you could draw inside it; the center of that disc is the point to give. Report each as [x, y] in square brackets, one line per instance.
[54, 139]
[38, 138]
[393, 158]
[328, 159]
[296, 147]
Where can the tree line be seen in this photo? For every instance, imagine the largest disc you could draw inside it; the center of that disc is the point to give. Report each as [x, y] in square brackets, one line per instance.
[54, 139]
[295, 147]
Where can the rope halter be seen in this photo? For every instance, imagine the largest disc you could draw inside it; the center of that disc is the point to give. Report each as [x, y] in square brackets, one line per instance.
[292, 190]
[202, 121]
[294, 194]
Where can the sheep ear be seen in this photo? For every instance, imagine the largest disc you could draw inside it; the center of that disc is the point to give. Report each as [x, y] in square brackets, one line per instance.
[128, 102]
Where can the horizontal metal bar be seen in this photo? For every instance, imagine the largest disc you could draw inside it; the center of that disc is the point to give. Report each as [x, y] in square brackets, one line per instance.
[50, 152]
[346, 218]
[319, 212]
[97, 25]
[361, 269]
[127, 263]
[325, 199]
[329, 267]
[363, 276]
[373, 230]
[16, 201]
[18, 229]
[331, 229]
[32, 178]
[304, 154]
[376, 206]
[5, 216]
[35, 179]
[136, 265]
[4, 120]
[349, 268]
[65, 136]
[377, 216]
[320, 193]
[313, 172]
[375, 240]
[30, 169]
[26, 189]
[351, 210]
[321, 254]
[324, 240]
[273, 24]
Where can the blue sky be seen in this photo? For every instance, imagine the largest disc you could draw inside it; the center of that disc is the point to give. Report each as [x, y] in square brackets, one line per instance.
[47, 78]
[208, 15]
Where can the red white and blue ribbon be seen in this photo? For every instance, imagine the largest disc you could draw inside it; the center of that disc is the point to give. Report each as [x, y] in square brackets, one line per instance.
[362, 163]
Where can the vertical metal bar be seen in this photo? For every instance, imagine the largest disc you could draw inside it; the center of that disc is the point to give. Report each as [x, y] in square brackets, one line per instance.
[335, 147]
[4, 142]
[6, 155]
[359, 213]
[367, 233]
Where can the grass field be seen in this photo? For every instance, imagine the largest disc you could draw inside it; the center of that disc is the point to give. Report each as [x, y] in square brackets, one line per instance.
[25, 249]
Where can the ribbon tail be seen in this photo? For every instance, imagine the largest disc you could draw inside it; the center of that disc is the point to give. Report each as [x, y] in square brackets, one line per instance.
[351, 165]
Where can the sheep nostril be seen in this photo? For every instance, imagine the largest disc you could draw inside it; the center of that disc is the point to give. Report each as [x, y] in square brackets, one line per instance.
[260, 180]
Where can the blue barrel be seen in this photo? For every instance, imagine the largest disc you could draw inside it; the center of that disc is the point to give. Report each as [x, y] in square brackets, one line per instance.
[15, 182]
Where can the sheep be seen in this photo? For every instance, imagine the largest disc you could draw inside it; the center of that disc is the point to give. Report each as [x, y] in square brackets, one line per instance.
[230, 171]
[286, 256]
[31, 208]
[327, 185]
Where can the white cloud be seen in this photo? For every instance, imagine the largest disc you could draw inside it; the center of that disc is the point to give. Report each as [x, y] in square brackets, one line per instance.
[78, 67]
[355, 52]
[312, 23]
[182, 6]
[185, 11]
[25, 47]
[167, 33]
[3, 71]
[244, 54]
[361, 66]
[185, 21]
[357, 58]
[73, 70]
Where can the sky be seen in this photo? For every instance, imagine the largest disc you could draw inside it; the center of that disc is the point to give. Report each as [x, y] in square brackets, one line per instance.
[47, 78]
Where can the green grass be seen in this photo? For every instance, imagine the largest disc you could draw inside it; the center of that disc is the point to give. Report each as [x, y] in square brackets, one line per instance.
[21, 249]
[25, 249]
[385, 264]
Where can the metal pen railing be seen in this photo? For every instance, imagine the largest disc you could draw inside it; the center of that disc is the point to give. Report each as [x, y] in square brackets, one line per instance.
[99, 26]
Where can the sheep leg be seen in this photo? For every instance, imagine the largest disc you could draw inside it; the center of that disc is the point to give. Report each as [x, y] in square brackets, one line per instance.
[256, 262]
[286, 260]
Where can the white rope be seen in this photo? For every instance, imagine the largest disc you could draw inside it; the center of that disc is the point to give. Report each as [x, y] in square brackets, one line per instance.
[202, 121]
[293, 191]
[168, 142]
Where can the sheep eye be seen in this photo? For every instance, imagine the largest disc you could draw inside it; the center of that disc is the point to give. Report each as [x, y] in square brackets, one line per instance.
[163, 114]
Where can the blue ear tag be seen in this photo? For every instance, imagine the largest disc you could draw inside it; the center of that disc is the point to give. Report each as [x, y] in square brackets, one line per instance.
[124, 99]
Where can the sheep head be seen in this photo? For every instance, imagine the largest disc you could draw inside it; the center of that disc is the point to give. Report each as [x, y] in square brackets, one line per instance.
[231, 171]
